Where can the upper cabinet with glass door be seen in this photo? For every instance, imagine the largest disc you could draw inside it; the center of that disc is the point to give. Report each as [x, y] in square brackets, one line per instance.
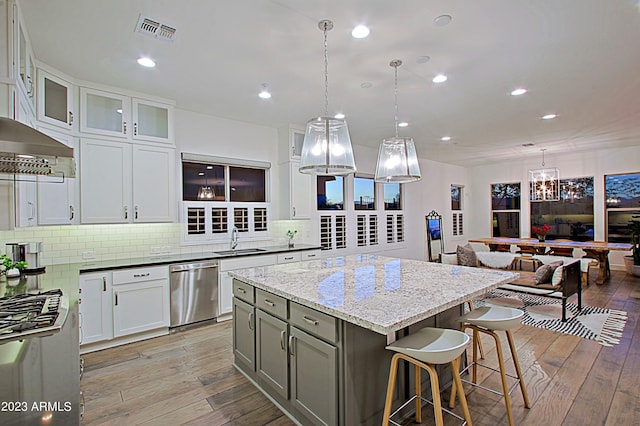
[23, 58]
[112, 114]
[55, 100]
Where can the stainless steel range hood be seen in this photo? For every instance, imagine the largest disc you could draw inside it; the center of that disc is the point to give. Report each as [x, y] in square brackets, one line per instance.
[24, 150]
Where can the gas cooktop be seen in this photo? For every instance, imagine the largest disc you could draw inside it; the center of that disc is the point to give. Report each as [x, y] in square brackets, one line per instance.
[32, 314]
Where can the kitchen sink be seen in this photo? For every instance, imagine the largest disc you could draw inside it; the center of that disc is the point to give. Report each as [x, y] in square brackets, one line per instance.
[239, 251]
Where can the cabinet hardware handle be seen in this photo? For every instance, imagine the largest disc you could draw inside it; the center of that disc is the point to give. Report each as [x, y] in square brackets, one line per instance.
[104, 283]
[81, 405]
[116, 294]
[72, 213]
[269, 302]
[136, 212]
[310, 320]
[70, 118]
[291, 346]
[241, 290]
[81, 368]
[126, 212]
[135, 129]
[30, 89]
[283, 336]
[141, 275]
[294, 212]
[124, 127]
[288, 258]
[250, 320]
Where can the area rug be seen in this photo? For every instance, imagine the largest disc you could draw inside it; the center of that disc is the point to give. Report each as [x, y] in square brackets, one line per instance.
[603, 325]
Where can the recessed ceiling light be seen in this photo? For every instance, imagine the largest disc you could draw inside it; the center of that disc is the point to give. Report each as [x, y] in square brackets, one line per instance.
[442, 20]
[440, 78]
[209, 167]
[146, 62]
[445, 138]
[200, 173]
[403, 124]
[366, 85]
[422, 59]
[549, 116]
[361, 31]
[519, 91]
[339, 116]
[264, 92]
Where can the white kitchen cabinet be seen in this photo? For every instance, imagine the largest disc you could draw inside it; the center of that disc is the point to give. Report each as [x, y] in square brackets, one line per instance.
[298, 190]
[104, 113]
[26, 201]
[105, 181]
[152, 121]
[57, 198]
[117, 115]
[290, 143]
[153, 184]
[55, 100]
[140, 300]
[124, 184]
[23, 60]
[96, 313]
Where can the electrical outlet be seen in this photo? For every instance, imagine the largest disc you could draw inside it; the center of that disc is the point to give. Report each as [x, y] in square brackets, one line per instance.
[91, 254]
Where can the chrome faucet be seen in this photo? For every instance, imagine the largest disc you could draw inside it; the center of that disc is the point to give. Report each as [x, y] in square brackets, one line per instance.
[234, 238]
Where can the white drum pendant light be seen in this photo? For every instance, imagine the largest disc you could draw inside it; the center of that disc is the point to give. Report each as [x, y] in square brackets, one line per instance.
[545, 183]
[326, 149]
[397, 158]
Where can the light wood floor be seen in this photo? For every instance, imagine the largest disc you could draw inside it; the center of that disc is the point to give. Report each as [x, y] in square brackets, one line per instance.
[188, 377]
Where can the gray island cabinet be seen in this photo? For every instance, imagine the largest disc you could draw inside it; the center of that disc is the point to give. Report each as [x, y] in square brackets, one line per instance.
[311, 335]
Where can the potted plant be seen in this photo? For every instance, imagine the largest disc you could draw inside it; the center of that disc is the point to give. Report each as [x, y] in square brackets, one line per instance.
[541, 231]
[290, 235]
[10, 268]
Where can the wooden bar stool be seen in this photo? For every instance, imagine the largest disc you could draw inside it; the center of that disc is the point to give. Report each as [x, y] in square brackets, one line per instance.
[488, 320]
[424, 348]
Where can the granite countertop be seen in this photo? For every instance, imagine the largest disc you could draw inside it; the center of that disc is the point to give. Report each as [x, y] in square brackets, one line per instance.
[381, 294]
[179, 258]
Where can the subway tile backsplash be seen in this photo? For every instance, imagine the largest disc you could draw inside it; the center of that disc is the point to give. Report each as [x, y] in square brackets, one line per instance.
[71, 244]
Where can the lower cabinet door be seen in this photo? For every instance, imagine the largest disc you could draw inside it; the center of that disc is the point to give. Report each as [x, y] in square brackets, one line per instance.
[314, 378]
[272, 362]
[244, 336]
[140, 307]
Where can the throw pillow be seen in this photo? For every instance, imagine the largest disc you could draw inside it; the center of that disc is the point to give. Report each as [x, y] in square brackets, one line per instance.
[466, 256]
[545, 272]
[449, 258]
[556, 279]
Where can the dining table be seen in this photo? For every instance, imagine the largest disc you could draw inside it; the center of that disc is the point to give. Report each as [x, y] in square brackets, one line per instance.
[598, 250]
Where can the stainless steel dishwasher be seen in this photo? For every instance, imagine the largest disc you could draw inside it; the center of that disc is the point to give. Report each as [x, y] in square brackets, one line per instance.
[194, 292]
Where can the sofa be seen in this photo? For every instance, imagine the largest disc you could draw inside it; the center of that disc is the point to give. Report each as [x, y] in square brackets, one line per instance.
[564, 281]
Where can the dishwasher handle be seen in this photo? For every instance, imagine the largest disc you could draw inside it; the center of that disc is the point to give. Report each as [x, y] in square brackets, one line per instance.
[192, 266]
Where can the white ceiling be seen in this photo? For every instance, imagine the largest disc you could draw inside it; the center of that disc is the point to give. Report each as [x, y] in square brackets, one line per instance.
[579, 59]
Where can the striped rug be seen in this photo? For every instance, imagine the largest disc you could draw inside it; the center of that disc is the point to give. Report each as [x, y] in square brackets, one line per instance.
[603, 325]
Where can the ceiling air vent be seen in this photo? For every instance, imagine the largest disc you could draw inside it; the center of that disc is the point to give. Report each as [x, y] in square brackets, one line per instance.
[155, 29]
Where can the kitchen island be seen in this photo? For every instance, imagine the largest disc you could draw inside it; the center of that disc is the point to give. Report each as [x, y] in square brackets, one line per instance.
[312, 335]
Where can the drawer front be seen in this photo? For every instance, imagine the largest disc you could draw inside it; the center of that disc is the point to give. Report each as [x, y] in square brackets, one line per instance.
[127, 276]
[271, 303]
[243, 291]
[310, 255]
[247, 262]
[315, 322]
[288, 257]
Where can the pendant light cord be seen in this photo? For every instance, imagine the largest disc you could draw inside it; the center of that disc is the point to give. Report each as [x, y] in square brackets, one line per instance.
[395, 66]
[326, 73]
[543, 150]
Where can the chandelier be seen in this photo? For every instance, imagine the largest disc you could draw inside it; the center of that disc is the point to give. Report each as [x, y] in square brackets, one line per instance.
[205, 192]
[545, 183]
[397, 158]
[326, 148]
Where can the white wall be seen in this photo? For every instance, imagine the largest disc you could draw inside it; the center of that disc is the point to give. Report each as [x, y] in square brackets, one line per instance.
[594, 163]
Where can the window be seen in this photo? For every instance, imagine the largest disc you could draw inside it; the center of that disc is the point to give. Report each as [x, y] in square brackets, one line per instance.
[505, 209]
[456, 207]
[247, 185]
[218, 195]
[330, 192]
[571, 217]
[622, 202]
[392, 196]
[364, 193]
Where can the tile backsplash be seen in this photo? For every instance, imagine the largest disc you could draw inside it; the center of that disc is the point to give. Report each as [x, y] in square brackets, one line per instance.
[71, 244]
